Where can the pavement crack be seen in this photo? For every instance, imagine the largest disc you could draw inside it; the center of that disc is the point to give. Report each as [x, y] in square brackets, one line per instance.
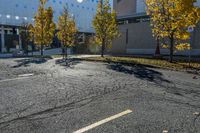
[54, 110]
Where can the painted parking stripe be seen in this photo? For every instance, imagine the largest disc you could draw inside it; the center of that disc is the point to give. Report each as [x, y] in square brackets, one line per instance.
[96, 124]
[6, 80]
[22, 76]
[26, 75]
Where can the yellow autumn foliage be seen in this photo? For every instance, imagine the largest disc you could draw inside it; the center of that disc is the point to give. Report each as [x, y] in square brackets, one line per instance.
[67, 29]
[105, 25]
[171, 18]
[44, 27]
[183, 46]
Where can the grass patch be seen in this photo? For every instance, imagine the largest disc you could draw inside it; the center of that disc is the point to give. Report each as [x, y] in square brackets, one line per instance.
[151, 62]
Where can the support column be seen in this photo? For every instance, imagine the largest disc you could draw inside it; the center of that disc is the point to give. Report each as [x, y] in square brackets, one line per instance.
[20, 40]
[3, 49]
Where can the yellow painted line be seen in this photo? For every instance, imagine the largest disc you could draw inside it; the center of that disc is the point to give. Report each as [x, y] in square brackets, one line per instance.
[82, 130]
[6, 80]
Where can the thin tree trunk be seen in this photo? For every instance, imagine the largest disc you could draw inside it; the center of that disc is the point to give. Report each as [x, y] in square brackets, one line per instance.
[102, 48]
[171, 48]
[66, 52]
[63, 52]
[32, 49]
[32, 45]
[27, 48]
[63, 49]
[157, 52]
[42, 47]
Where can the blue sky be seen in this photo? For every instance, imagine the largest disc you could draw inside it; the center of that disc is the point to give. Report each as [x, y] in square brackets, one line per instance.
[111, 1]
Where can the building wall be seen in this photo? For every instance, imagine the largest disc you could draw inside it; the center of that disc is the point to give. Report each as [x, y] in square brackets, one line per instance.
[136, 38]
[196, 38]
[119, 45]
[141, 41]
[140, 8]
[0, 43]
[130, 7]
[124, 7]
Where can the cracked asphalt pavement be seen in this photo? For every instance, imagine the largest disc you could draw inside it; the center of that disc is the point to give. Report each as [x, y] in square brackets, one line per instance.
[64, 97]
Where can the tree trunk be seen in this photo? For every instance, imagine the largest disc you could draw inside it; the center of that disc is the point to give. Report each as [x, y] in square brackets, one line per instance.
[171, 48]
[32, 49]
[63, 49]
[102, 48]
[27, 44]
[63, 52]
[66, 53]
[157, 52]
[42, 47]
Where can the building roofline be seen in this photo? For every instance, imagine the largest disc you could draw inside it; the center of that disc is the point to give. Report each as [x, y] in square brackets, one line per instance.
[9, 25]
[132, 16]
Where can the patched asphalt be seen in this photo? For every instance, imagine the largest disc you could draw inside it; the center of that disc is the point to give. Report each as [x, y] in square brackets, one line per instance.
[60, 97]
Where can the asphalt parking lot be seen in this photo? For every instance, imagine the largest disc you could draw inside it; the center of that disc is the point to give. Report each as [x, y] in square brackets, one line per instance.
[50, 96]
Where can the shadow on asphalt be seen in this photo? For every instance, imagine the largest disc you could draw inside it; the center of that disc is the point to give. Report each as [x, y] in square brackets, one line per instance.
[189, 91]
[27, 62]
[68, 62]
[140, 72]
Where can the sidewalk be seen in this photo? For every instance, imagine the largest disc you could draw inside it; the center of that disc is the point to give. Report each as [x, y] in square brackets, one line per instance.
[5, 55]
[55, 51]
[84, 56]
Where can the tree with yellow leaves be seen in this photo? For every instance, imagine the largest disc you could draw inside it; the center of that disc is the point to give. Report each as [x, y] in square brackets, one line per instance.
[31, 36]
[25, 35]
[67, 30]
[170, 20]
[105, 25]
[44, 27]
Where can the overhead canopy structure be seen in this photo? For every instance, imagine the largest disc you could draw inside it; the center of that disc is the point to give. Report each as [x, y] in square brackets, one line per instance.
[16, 12]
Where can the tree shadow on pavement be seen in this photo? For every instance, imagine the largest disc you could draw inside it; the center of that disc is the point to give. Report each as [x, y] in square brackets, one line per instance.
[184, 89]
[26, 62]
[67, 62]
[140, 72]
